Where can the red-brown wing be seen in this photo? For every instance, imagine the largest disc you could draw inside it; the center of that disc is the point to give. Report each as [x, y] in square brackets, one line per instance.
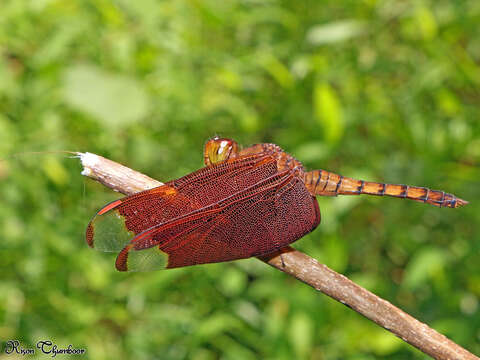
[215, 183]
[117, 223]
[258, 220]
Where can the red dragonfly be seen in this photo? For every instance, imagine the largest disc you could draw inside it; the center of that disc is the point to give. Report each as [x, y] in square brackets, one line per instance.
[243, 203]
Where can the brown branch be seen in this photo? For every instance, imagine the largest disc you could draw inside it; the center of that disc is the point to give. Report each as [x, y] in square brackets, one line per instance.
[306, 269]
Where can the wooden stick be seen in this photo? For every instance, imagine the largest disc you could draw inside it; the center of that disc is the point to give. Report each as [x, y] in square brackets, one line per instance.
[305, 269]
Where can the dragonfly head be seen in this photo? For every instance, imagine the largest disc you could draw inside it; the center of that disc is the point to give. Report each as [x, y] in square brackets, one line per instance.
[218, 150]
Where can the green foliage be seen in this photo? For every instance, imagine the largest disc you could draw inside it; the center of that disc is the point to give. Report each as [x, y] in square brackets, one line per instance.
[381, 90]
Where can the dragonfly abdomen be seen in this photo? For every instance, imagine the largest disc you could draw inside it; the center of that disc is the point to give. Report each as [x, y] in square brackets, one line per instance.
[326, 183]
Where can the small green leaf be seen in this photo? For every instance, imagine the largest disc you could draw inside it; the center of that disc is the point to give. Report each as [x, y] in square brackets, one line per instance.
[384, 343]
[233, 282]
[335, 32]
[424, 265]
[426, 23]
[55, 171]
[328, 111]
[115, 99]
[301, 331]
[277, 70]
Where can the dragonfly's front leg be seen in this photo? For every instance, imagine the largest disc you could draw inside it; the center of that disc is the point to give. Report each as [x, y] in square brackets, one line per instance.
[325, 183]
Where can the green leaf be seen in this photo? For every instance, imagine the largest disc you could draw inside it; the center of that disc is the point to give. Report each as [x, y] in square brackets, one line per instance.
[277, 70]
[424, 265]
[301, 331]
[335, 32]
[426, 23]
[55, 170]
[233, 282]
[328, 111]
[115, 99]
[384, 343]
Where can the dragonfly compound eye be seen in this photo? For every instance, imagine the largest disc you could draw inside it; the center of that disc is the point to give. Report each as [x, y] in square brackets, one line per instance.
[219, 150]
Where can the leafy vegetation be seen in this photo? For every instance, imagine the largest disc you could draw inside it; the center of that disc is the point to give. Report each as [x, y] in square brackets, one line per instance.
[381, 90]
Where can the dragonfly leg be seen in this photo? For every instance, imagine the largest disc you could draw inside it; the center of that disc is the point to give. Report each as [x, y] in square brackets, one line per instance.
[326, 183]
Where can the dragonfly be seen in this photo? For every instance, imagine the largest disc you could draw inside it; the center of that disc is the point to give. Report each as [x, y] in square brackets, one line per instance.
[243, 203]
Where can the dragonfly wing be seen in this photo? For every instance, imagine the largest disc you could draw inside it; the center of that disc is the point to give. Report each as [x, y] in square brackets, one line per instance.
[120, 221]
[116, 224]
[151, 250]
[248, 224]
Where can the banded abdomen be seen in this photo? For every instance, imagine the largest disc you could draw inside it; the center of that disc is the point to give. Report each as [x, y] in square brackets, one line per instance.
[326, 183]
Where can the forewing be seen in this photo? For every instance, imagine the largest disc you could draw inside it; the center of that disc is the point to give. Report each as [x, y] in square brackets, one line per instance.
[120, 221]
[215, 183]
[247, 224]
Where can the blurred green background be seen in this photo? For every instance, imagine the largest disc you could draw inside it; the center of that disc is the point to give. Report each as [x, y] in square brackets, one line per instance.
[380, 90]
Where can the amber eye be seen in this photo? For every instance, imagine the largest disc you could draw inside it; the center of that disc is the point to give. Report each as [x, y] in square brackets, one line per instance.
[218, 150]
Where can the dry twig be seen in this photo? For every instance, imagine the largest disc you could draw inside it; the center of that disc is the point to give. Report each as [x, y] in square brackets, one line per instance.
[305, 269]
